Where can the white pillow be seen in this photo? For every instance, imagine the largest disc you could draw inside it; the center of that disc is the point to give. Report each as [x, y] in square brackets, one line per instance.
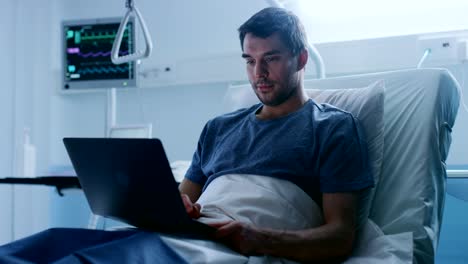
[367, 105]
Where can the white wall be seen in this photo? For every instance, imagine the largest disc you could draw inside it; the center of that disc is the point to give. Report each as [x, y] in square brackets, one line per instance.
[24, 104]
[7, 27]
[337, 20]
[33, 79]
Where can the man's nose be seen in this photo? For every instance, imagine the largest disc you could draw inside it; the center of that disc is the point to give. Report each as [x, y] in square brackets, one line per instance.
[261, 70]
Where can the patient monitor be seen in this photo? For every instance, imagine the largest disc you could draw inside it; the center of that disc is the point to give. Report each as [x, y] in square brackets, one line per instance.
[86, 51]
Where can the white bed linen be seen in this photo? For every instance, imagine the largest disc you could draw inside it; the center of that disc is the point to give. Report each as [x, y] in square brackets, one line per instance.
[274, 203]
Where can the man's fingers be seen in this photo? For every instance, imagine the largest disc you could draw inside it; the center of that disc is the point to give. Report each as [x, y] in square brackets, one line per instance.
[186, 201]
[219, 224]
[227, 229]
[193, 210]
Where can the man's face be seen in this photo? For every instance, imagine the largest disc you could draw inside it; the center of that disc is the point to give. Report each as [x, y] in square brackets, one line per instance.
[271, 68]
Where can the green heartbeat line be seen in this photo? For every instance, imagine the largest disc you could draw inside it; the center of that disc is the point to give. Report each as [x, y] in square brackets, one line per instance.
[107, 36]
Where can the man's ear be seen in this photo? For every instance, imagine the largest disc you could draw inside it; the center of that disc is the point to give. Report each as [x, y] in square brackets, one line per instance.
[302, 59]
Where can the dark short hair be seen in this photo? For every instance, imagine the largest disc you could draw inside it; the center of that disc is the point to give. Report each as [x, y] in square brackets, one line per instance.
[271, 20]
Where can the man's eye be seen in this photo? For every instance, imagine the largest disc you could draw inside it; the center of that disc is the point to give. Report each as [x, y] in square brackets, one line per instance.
[271, 59]
[249, 62]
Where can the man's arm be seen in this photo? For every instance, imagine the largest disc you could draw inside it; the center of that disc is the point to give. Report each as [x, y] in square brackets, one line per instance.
[331, 241]
[190, 192]
[190, 188]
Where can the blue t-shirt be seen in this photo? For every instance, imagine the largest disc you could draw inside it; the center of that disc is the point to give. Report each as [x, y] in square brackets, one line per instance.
[320, 148]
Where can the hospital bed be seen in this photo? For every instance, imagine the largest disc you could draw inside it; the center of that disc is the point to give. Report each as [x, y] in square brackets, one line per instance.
[408, 117]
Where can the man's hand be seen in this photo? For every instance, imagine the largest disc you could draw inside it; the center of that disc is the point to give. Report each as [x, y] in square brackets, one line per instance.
[193, 209]
[241, 237]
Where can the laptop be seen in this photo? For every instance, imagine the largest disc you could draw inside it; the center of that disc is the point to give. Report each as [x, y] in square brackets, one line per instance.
[130, 180]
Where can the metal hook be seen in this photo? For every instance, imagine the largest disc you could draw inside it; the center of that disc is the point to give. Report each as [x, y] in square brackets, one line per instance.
[129, 4]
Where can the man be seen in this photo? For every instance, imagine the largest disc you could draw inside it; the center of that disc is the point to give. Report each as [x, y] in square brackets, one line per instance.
[332, 168]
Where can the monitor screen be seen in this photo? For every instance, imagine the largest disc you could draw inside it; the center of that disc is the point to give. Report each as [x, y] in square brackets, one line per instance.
[87, 46]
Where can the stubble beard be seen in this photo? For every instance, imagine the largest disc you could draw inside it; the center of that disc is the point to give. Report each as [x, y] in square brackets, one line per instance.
[278, 95]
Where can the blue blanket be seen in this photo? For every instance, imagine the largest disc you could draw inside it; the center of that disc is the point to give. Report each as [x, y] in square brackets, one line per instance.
[71, 245]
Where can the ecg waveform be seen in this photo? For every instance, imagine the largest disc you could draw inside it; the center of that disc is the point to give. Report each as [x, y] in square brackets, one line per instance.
[93, 54]
[101, 35]
[88, 49]
[99, 70]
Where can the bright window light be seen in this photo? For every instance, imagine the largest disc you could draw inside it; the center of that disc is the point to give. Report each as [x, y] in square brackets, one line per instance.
[340, 20]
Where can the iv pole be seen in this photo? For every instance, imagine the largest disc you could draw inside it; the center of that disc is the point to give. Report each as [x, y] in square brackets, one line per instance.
[116, 59]
[111, 106]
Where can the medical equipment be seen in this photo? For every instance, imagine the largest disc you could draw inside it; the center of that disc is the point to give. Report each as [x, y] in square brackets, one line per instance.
[86, 54]
[115, 55]
[87, 63]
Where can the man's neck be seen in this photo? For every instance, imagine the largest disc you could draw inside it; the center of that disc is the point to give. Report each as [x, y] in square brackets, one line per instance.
[289, 106]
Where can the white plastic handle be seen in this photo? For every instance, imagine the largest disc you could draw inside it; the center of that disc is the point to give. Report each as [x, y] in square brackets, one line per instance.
[116, 59]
